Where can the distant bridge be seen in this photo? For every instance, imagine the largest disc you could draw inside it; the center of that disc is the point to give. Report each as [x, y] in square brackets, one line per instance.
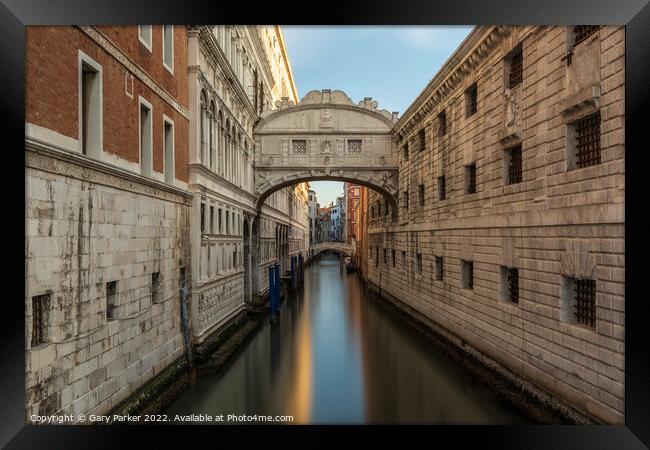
[341, 247]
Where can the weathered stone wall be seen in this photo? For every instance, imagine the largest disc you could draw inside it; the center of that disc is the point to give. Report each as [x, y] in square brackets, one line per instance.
[558, 222]
[80, 235]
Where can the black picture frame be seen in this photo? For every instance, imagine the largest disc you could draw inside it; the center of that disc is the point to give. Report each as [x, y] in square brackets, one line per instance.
[634, 14]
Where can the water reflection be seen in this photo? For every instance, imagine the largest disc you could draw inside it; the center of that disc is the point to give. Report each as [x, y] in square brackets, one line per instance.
[333, 356]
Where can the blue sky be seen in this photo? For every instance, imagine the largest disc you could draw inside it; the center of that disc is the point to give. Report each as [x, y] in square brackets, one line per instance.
[391, 64]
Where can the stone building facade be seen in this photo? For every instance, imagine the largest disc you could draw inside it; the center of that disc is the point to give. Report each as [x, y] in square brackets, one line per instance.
[510, 228]
[235, 73]
[107, 212]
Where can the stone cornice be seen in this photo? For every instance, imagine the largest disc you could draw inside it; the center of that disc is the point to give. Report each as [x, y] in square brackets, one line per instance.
[113, 50]
[476, 47]
[136, 183]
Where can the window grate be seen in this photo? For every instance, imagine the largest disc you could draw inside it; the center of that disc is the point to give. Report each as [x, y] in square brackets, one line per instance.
[516, 68]
[471, 179]
[406, 199]
[439, 268]
[442, 194]
[354, 146]
[39, 304]
[514, 165]
[582, 32]
[513, 285]
[472, 99]
[442, 123]
[468, 267]
[588, 141]
[421, 194]
[393, 257]
[405, 151]
[299, 147]
[422, 139]
[585, 305]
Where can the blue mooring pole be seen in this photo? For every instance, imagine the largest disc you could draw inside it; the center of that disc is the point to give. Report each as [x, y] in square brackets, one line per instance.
[277, 285]
[271, 289]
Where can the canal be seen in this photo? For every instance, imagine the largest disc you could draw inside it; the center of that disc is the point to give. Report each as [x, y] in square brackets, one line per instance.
[334, 356]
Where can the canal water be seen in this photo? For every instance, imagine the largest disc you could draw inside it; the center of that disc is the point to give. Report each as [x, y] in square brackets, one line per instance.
[334, 356]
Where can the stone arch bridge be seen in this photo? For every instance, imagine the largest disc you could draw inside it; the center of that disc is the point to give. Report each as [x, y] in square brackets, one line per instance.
[341, 247]
[326, 136]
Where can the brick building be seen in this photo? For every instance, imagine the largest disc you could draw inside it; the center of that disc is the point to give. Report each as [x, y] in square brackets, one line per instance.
[107, 211]
[510, 229]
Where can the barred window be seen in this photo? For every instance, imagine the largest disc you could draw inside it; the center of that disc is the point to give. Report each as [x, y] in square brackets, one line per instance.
[582, 32]
[202, 217]
[212, 219]
[442, 123]
[354, 145]
[585, 302]
[40, 305]
[514, 174]
[470, 178]
[299, 147]
[516, 67]
[405, 151]
[587, 140]
[510, 279]
[385, 257]
[111, 299]
[467, 274]
[393, 257]
[156, 288]
[421, 194]
[422, 139]
[439, 268]
[406, 199]
[418, 263]
[442, 194]
[471, 100]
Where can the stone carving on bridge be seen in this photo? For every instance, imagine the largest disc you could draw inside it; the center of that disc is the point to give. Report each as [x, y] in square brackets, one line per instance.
[325, 147]
[326, 119]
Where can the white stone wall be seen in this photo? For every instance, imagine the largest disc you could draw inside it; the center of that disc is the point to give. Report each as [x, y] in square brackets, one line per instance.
[556, 223]
[85, 228]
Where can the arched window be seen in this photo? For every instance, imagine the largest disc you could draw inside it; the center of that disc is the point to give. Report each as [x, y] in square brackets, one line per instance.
[211, 135]
[219, 167]
[202, 125]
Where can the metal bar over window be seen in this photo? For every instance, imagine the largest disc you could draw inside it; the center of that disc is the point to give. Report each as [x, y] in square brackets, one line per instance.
[585, 296]
[588, 140]
[582, 32]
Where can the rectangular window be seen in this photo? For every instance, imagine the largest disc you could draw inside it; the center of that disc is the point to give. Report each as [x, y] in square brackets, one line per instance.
[403, 260]
[377, 256]
[354, 145]
[212, 219]
[579, 301]
[442, 123]
[582, 32]
[405, 151]
[234, 258]
[299, 147]
[418, 263]
[585, 134]
[439, 268]
[467, 274]
[202, 218]
[168, 47]
[227, 222]
[442, 193]
[471, 100]
[111, 300]
[421, 194]
[385, 257]
[90, 106]
[393, 257]
[470, 178]
[406, 199]
[513, 161]
[422, 140]
[168, 142]
[40, 306]
[516, 72]
[146, 149]
[219, 221]
[144, 34]
[156, 288]
[509, 284]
